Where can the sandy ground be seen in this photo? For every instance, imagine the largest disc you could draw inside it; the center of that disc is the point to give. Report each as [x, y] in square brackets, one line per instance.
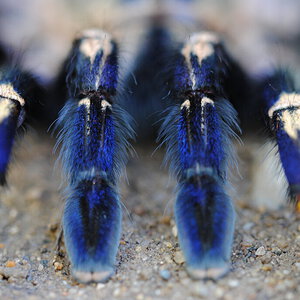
[266, 252]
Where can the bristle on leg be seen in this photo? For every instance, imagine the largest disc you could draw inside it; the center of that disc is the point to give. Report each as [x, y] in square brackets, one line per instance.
[92, 228]
[205, 219]
[198, 133]
[94, 137]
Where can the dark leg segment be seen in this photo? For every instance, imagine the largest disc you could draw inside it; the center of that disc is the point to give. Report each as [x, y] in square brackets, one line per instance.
[94, 137]
[198, 132]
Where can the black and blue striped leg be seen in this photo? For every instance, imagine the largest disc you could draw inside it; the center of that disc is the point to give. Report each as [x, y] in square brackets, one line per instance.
[198, 132]
[94, 138]
[281, 104]
[17, 89]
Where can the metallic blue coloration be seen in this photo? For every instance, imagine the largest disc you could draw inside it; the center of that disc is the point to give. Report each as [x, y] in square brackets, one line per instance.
[94, 143]
[288, 148]
[103, 150]
[7, 134]
[91, 224]
[182, 80]
[85, 74]
[108, 80]
[198, 148]
[289, 152]
[204, 74]
[21, 85]
[204, 213]
[198, 135]
[94, 137]
[200, 144]
[205, 219]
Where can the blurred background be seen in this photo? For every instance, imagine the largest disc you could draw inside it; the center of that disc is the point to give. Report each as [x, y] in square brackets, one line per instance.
[259, 33]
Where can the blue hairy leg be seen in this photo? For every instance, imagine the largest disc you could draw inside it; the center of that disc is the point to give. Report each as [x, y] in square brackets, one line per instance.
[94, 138]
[198, 132]
[17, 89]
[205, 219]
[282, 109]
[92, 223]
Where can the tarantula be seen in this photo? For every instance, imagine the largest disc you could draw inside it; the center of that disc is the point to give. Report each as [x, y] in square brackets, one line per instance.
[196, 86]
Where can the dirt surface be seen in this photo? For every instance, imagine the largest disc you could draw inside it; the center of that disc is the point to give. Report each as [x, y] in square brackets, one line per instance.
[266, 252]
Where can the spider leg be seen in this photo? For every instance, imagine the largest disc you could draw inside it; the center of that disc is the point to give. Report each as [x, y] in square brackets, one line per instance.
[197, 132]
[17, 91]
[282, 110]
[94, 137]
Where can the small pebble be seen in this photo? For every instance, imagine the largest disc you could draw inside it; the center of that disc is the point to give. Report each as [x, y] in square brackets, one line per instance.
[168, 259]
[282, 244]
[14, 230]
[168, 244]
[140, 297]
[52, 295]
[138, 249]
[200, 290]
[58, 266]
[166, 220]
[276, 251]
[100, 286]
[40, 267]
[233, 283]
[267, 267]
[260, 251]
[165, 274]
[219, 292]
[10, 264]
[117, 292]
[297, 265]
[248, 226]
[174, 231]
[179, 258]
[13, 213]
[139, 210]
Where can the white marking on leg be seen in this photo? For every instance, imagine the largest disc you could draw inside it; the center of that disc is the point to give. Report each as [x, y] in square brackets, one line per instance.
[186, 104]
[8, 91]
[87, 103]
[6, 108]
[289, 103]
[204, 101]
[93, 42]
[291, 123]
[105, 104]
[200, 45]
[284, 101]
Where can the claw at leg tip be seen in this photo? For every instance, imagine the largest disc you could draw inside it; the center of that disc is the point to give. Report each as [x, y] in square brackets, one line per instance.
[212, 273]
[87, 277]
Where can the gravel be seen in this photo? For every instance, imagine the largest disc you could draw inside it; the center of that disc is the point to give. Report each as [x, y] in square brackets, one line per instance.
[150, 265]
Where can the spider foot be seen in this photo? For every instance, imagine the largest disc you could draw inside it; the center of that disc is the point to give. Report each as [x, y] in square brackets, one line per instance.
[205, 219]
